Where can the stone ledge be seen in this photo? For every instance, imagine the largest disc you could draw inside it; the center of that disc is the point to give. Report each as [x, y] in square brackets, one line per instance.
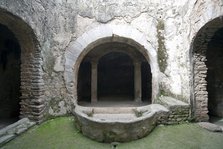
[10, 132]
[169, 101]
[210, 127]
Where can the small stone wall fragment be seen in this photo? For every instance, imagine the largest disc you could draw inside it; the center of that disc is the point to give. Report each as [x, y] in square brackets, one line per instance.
[178, 111]
[10, 132]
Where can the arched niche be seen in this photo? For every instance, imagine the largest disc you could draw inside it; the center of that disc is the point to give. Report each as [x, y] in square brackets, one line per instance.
[206, 57]
[114, 73]
[105, 34]
[31, 85]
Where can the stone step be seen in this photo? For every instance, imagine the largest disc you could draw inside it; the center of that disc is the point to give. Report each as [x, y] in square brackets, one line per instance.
[114, 117]
[121, 110]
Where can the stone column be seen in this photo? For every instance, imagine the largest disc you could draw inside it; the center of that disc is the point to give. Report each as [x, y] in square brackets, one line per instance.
[137, 82]
[94, 81]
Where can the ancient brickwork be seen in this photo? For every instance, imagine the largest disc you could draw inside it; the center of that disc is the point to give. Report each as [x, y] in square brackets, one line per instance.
[31, 78]
[32, 87]
[200, 69]
[200, 83]
[179, 112]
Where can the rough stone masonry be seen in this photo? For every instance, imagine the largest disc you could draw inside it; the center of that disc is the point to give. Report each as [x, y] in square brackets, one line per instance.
[173, 35]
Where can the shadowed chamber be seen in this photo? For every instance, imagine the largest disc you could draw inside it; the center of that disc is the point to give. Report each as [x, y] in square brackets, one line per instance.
[84, 82]
[115, 64]
[215, 74]
[116, 77]
[9, 76]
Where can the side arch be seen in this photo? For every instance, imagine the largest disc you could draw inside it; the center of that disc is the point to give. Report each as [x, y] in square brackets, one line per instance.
[32, 84]
[198, 61]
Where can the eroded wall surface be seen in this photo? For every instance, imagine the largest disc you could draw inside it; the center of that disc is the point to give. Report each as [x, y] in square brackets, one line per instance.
[169, 26]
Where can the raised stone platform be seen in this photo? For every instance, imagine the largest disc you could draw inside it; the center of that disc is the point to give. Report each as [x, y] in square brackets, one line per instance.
[178, 110]
[118, 124]
[122, 124]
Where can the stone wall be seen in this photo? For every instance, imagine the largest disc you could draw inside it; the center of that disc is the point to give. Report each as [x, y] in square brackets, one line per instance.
[31, 79]
[168, 26]
[179, 112]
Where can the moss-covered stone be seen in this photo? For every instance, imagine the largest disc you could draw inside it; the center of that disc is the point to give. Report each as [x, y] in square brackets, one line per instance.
[162, 54]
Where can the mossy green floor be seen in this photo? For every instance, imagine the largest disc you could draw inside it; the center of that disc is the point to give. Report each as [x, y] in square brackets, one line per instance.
[60, 133]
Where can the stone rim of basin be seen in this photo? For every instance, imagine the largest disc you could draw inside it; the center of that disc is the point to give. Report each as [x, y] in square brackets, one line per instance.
[116, 127]
[130, 114]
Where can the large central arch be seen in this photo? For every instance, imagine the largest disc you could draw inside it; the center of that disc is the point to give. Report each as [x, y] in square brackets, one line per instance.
[114, 72]
[102, 35]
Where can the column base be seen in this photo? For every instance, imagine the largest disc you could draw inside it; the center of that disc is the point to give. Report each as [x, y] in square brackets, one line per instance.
[94, 100]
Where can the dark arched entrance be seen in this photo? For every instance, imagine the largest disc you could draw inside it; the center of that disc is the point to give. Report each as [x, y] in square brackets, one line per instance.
[114, 73]
[21, 59]
[9, 76]
[215, 74]
[207, 60]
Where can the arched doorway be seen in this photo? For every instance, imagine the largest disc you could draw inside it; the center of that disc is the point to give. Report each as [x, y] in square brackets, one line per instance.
[207, 60]
[21, 60]
[79, 50]
[114, 73]
[9, 76]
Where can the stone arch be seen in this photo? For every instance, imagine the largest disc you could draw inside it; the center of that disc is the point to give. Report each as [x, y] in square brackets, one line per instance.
[199, 69]
[116, 50]
[32, 84]
[105, 34]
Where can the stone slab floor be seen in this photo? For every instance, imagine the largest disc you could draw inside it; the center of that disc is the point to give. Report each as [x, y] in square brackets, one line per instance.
[60, 133]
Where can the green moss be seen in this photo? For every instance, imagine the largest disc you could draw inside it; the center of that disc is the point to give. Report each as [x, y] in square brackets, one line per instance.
[61, 133]
[184, 136]
[162, 54]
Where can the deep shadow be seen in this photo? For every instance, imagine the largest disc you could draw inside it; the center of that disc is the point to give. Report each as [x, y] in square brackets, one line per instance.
[146, 82]
[84, 82]
[115, 77]
[9, 77]
[214, 75]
